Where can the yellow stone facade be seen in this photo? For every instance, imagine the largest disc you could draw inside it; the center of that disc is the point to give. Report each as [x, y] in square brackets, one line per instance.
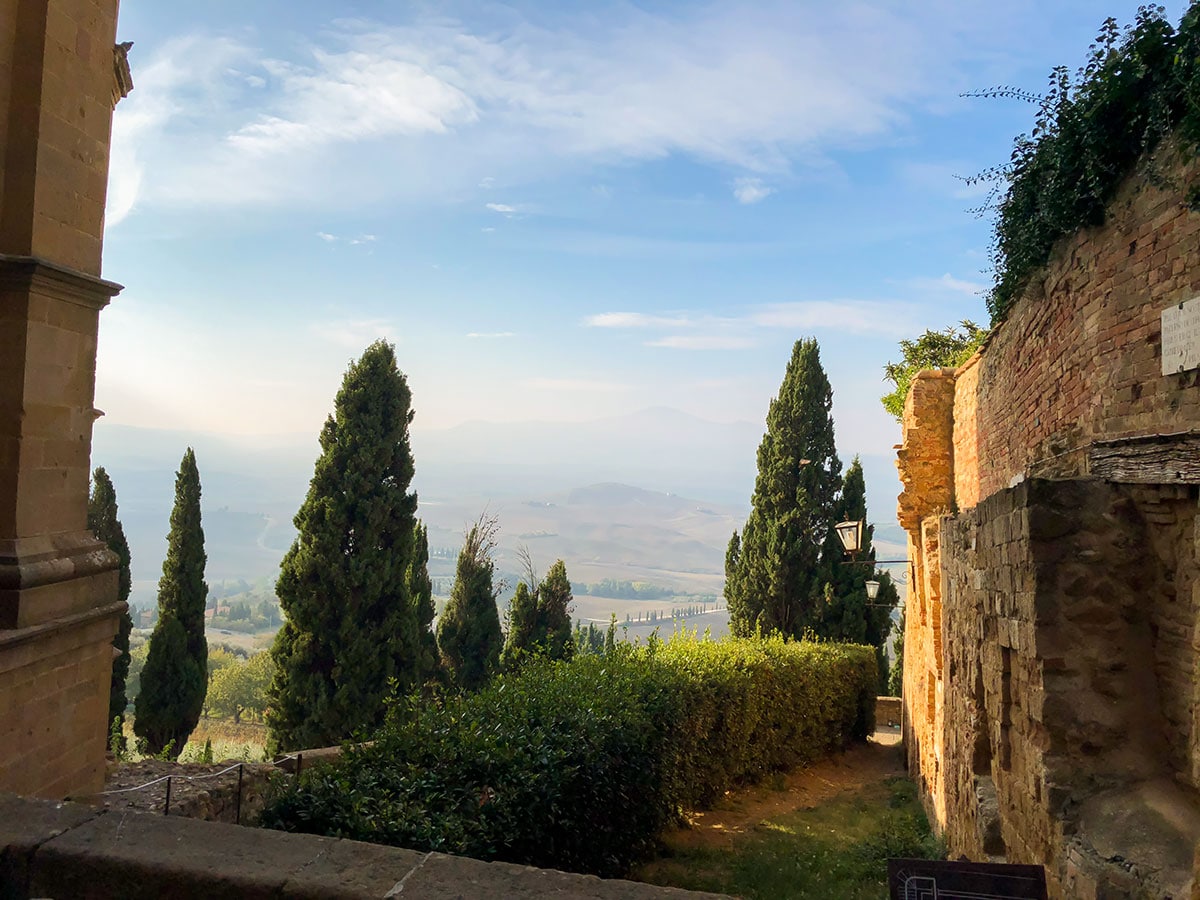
[60, 77]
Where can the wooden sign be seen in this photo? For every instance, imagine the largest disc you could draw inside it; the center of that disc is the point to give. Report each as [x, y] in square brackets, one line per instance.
[923, 879]
[1181, 337]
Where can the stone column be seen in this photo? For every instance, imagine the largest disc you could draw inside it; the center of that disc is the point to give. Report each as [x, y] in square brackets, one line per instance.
[60, 75]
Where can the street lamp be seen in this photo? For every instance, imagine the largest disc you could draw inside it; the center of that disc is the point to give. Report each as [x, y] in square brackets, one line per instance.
[850, 534]
[872, 589]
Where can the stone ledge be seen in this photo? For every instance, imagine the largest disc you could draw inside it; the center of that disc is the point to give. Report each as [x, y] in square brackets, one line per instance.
[71, 850]
[32, 273]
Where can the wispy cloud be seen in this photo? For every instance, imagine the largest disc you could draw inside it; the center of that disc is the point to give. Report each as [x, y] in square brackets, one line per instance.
[501, 208]
[948, 283]
[634, 320]
[848, 316]
[703, 342]
[750, 190]
[740, 332]
[760, 87]
[490, 335]
[353, 241]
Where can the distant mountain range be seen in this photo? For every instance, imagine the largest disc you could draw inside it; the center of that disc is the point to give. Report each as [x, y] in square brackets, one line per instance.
[613, 493]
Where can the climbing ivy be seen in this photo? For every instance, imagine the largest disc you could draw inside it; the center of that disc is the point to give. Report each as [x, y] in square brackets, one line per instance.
[1138, 86]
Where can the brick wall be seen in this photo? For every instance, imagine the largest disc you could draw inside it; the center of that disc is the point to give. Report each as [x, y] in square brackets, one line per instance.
[1051, 689]
[1079, 357]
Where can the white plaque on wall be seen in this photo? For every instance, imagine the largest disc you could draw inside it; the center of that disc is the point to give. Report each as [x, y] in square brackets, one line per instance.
[1181, 337]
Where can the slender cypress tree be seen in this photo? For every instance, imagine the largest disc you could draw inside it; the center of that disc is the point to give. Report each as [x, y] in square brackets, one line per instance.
[174, 679]
[103, 521]
[773, 577]
[849, 615]
[420, 592]
[468, 634]
[353, 586]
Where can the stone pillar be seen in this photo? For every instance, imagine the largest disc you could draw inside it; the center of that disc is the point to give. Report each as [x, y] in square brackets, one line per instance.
[60, 75]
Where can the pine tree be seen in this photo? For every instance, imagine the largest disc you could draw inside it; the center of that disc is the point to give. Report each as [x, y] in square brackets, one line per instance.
[774, 577]
[103, 521]
[468, 634]
[354, 585]
[174, 678]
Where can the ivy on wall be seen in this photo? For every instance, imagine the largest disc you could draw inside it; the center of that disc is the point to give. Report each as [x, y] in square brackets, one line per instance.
[1139, 86]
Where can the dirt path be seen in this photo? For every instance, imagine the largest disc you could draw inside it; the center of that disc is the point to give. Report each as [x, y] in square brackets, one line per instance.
[805, 788]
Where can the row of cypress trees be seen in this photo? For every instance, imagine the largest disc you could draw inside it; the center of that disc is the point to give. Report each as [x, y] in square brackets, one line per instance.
[355, 587]
[355, 584]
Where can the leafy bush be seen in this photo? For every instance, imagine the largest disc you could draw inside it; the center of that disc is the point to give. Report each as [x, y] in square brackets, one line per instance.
[579, 765]
[1137, 87]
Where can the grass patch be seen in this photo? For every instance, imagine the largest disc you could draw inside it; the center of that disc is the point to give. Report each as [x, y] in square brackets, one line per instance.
[838, 849]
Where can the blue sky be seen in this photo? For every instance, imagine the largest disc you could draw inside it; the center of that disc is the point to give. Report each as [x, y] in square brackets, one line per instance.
[556, 210]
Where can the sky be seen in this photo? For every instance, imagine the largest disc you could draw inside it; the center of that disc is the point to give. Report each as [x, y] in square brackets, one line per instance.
[555, 210]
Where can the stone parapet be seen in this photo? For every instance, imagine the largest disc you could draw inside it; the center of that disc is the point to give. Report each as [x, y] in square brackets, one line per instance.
[71, 850]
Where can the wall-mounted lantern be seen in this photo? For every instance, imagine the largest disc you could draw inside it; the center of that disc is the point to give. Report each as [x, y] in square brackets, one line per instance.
[872, 589]
[850, 534]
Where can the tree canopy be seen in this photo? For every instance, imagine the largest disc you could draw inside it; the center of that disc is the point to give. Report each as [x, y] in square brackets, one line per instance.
[103, 521]
[469, 634]
[173, 681]
[354, 584]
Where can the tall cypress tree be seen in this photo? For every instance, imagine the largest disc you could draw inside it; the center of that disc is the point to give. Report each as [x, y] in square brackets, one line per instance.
[420, 592]
[468, 634]
[174, 678]
[353, 586]
[103, 521]
[774, 578]
[849, 615]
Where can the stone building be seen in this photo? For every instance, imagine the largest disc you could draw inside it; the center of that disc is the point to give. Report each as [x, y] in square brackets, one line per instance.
[60, 78]
[1050, 498]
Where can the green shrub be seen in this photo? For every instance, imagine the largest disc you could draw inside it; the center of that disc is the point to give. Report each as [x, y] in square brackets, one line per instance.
[579, 765]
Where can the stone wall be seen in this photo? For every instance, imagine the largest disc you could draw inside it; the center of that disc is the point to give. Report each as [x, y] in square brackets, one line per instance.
[1051, 691]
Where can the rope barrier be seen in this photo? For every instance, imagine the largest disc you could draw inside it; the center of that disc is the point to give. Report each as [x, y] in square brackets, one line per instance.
[165, 777]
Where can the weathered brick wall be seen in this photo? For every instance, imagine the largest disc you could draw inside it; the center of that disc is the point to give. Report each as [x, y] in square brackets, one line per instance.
[1053, 629]
[1079, 357]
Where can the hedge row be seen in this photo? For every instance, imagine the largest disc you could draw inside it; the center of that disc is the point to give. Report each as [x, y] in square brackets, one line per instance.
[580, 765]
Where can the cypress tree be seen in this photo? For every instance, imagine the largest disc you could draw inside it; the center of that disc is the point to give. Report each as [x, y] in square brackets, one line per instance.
[540, 621]
[522, 621]
[773, 569]
[354, 585]
[554, 613]
[420, 592]
[174, 679]
[468, 634]
[849, 615]
[103, 521]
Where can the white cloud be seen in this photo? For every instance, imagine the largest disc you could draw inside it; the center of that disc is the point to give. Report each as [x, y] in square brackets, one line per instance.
[973, 288]
[327, 237]
[355, 334]
[750, 190]
[634, 320]
[488, 335]
[850, 316]
[501, 208]
[369, 110]
[487, 230]
[487, 182]
[703, 342]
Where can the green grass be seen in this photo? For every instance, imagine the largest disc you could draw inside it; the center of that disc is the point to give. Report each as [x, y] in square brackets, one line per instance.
[836, 850]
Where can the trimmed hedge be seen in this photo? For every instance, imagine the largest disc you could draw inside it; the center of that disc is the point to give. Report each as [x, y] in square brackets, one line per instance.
[580, 765]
